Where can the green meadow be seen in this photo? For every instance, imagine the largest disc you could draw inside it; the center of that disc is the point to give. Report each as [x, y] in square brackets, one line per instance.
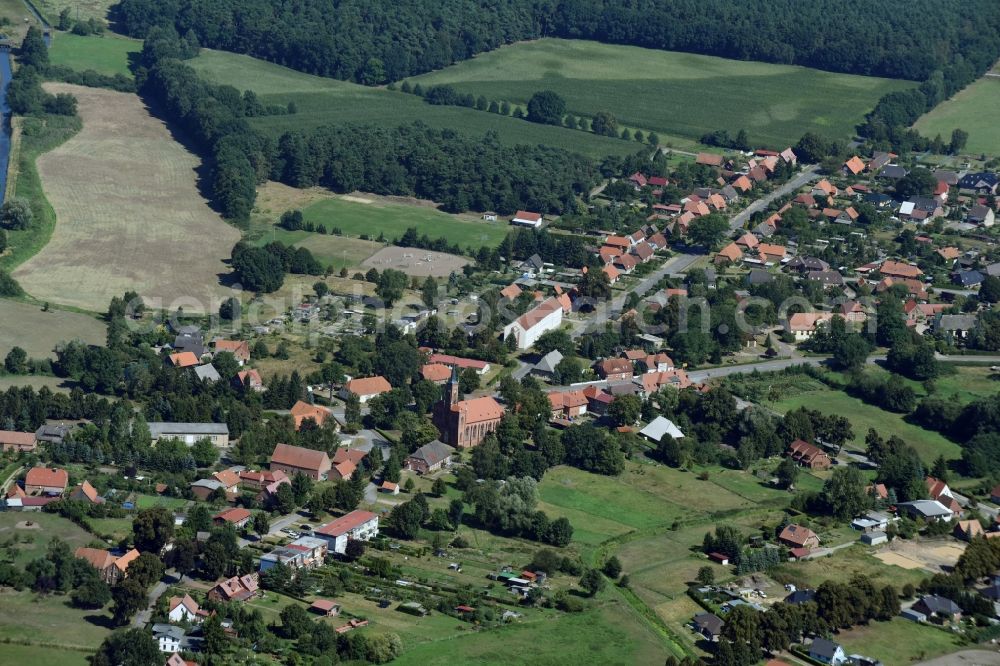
[673, 94]
[973, 110]
[105, 55]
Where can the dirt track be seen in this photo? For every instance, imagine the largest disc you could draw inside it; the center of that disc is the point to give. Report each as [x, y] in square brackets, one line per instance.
[129, 215]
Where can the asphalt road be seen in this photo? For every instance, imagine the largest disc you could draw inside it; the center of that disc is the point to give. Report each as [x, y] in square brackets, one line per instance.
[806, 175]
[142, 618]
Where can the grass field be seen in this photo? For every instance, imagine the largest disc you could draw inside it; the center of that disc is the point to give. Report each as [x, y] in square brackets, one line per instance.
[673, 93]
[972, 110]
[323, 101]
[81, 9]
[26, 326]
[122, 188]
[898, 642]
[19, 655]
[50, 620]
[863, 416]
[19, 16]
[105, 55]
[50, 526]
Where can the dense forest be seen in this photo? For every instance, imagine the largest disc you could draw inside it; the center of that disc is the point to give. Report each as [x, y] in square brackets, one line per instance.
[374, 43]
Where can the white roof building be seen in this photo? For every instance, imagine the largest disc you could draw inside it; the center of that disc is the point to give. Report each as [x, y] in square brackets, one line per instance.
[659, 427]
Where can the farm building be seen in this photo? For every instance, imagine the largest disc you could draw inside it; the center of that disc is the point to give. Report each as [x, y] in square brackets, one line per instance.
[294, 460]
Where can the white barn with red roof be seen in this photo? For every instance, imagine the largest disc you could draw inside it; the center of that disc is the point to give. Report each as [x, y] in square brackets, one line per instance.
[526, 218]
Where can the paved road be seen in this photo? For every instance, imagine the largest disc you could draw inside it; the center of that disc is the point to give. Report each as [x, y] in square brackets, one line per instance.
[143, 617]
[806, 175]
[276, 527]
[674, 265]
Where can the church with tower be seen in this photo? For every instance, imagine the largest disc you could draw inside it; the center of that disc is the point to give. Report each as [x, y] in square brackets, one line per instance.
[464, 423]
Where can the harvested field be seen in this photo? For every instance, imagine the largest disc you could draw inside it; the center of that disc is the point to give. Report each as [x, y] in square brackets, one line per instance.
[933, 556]
[415, 262]
[24, 325]
[129, 214]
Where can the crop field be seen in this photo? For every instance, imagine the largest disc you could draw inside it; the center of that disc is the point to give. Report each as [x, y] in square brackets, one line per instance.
[129, 213]
[105, 55]
[673, 93]
[928, 444]
[25, 325]
[323, 101]
[973, 110]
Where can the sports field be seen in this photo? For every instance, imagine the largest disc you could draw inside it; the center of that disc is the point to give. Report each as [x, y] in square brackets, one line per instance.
[973, 110]
[129, 213]
[105, 55]
[673, 93]
[323, 101]
[25, 325]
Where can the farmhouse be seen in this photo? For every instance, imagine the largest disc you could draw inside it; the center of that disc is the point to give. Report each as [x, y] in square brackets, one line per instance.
[464, 423]
[240, 349]
[45, 481]
[249, 380]
[294, 460]
[525, 218]
[614, 369]
[366, 388]
[257, 480]
[189, 433]
[86, 493]
[530, 326]
[809, 455]
[325, 607]
[797, 536]
[898, 269]
[17, 441]
[53, 434]
[357, 525]
[430, 457]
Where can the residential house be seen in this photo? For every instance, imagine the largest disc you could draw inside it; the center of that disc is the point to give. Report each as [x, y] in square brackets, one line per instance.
[879, 159]
[530, 326]
[237, 588]
[249, 380]
[567, 404]
[366, 388]
[980, 183]
[304, 553]
[643, 251]
[824, 188]
[827, 279]
[770, 253]
[111, 568]
[853, 166]
[803, 325]
[893, 172]
[827, 652]
[45, 481]
[933, 605]
[189, 433]
[730, 254]
[510, 292]
[955, 326]
[709, 159]
[797, 536]
[625, 263]
[17, 441]
[847, 216]
[207, 373]
[967, 279]
[183, 359]
[203, 488]
[853, 312]
[240, 349]
[183, 609]
[429, 458]
[598, 400]
[651, 382]
[614, 369]
[168, 637]
[807, 264]
[356, 525]
[294, 460]
[708, 625]
[914, 288]
[742, 184]
[981, 215]
[747, 241]
[301, 411]
[660, 427]
[525, 218]
[325, 607]
[898, 269]
[809, 455]
[53, 434]
[238, 517]
[806, 200]
[967, 530]
[86, 493]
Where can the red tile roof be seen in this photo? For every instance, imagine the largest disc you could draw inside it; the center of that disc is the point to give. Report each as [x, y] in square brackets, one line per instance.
[296, 456]
[368, 386]
[184, 359]
[234, 515]
[345, 524]
[46, 477]
[302, 410]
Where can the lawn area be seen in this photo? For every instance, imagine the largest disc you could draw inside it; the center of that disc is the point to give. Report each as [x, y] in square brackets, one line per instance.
[105, 55]
[49, 527]
[321, 101]
[147, 501]
[843, 564]
[51, 620]
[863, 416]
[672, 93]
[19, 655]
[898, 642]
[971, 110]
[605, 635]
[392, 219]
[118, 528]
[968, 383]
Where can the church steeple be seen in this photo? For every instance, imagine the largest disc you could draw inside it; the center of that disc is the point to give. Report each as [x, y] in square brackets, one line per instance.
[451, 389]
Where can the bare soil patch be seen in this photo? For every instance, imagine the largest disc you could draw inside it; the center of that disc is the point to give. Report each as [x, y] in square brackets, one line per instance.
[129, 214]
[416, 262]
[934, 556]
[966, 658]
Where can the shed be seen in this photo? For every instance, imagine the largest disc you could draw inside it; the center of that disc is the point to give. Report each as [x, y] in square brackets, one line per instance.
[913, 615]
[874, 538]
